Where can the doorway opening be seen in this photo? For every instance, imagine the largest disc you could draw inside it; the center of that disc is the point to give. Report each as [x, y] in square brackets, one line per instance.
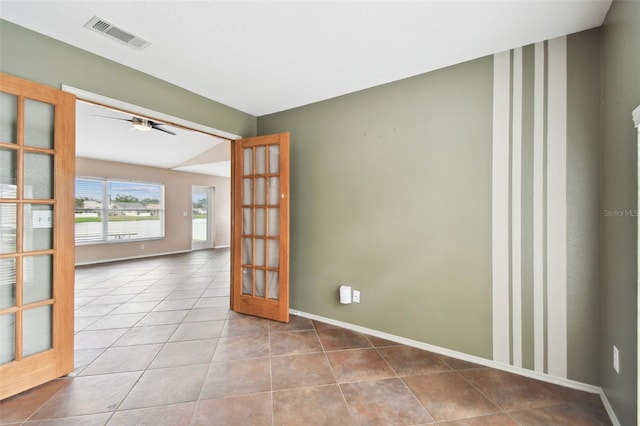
[202, 217]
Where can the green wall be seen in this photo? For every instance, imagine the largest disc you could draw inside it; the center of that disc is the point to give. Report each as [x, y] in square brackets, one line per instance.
[620, 95]
[583, 206]
[27, 54]
[391, 194]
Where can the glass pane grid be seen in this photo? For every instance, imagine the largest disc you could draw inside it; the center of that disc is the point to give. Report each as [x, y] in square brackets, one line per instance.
[260, 221]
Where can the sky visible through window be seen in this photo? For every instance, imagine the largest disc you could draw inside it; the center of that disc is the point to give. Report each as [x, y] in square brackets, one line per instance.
[92, 189]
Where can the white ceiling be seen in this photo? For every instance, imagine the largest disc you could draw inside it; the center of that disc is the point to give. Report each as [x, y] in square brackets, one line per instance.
[114, 139]
[266, 56]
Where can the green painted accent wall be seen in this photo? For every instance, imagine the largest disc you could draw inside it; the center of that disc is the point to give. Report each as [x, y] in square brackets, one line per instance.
[619, 180]
[391, 194]
[583, 204]
[29, 55]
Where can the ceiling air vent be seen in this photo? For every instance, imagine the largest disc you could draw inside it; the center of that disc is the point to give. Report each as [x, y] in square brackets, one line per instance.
[106, 28]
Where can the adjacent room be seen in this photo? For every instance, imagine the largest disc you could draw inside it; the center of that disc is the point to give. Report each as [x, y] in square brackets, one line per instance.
[467, 169]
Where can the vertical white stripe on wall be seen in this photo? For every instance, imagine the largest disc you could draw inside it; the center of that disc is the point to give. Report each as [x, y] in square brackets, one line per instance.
[500, 205]
[516, 209]
[557, 208]
[538, 208]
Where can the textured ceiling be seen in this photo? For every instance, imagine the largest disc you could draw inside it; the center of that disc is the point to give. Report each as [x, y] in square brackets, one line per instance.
[264, 57]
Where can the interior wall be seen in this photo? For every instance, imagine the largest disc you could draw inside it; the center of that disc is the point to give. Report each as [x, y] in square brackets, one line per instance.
[177, 193]
[393, 192]
[27, 54]
[618, 219]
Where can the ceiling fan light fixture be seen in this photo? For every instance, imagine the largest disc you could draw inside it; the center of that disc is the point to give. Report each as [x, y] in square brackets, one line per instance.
[142, 125]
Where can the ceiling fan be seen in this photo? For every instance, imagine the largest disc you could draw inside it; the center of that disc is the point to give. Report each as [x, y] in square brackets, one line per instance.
[142, 124]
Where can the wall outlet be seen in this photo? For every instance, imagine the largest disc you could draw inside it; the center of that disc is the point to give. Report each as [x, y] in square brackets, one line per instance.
[616, 359]
[356, 296]
[141, 246]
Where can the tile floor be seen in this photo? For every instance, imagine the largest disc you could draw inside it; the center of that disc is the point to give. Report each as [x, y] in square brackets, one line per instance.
[157, 345]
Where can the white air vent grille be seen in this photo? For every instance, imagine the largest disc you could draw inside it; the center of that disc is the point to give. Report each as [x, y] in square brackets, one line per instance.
[123, 36]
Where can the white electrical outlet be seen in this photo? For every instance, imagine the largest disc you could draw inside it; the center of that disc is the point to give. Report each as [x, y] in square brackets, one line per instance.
[616, 359]
[356, 296]
[141, 246]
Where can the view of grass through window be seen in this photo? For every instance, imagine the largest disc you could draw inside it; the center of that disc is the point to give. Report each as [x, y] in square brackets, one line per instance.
[110, 210]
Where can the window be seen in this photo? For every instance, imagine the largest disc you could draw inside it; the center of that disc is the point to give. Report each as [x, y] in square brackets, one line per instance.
[118, 211]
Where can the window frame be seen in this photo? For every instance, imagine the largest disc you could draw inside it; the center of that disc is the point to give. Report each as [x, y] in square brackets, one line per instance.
[106, 209]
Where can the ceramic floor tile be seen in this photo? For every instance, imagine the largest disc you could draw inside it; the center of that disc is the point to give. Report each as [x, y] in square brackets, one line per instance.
[115, 321]
[208, 314]
[175, 305]
[135, 308]
[458, 364]
[166, 386]
[295, 342]
[294, 371]
[164, 415]
[245, 326]
[334, 339]
[408, 361]
[590, 403]
[189, 352]
[121, 359]
[161, 318]
[379, 342]
[384, 402]
[233, 411]
[95, 339]
[89, 395]
[198, 330]
[20, 407]
[321, 405]
[242, 347]
[564, 414]
[84, 357]
[92, 310]
[234, 378]
[244, 370]
[296, 323]
[509, 391]
[447, 396]
[185, 294]
[359, 364]
[491, 420]
[87, 420]
[145, 335]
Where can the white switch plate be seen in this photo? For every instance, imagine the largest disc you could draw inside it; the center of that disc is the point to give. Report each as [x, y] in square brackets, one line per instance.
[616, 359]
[356, 296]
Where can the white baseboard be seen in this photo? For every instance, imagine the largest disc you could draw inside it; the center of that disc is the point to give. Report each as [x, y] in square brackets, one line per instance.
[470, 358]
[93, 262]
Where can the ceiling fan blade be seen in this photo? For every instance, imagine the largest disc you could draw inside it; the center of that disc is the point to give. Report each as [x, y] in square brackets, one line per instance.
[155, 127]
[114, 118]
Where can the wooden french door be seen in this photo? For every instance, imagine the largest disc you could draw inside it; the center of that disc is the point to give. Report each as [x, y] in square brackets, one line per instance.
[37, 167]
[260, 227]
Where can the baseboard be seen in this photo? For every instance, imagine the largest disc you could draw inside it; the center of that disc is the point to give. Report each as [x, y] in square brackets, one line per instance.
[470, 358]
[119, 259]
[607, 406]
[224, 246]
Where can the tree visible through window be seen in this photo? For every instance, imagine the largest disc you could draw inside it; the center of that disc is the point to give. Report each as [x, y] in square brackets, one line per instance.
[110, 210]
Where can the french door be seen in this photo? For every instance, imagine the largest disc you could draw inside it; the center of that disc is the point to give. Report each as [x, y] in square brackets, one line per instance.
[260, 227]
[37, 167]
